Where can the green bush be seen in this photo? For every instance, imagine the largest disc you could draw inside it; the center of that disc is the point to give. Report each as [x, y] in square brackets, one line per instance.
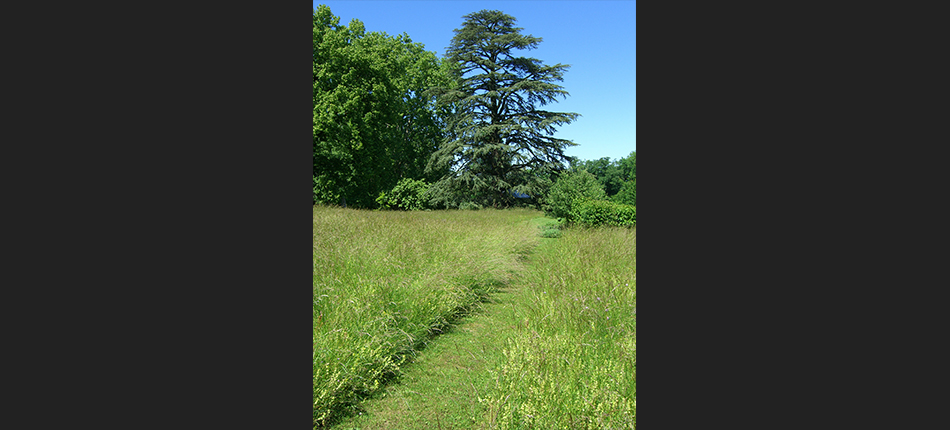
[578, 184]
[593, 213]
[407, 195]
[469, 206]
[627, 194]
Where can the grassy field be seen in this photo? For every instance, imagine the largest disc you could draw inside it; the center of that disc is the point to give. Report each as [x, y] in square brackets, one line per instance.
[571, 359]
[549, 340]
[383, 282]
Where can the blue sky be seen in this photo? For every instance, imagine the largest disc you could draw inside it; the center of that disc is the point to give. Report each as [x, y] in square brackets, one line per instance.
[597, 38]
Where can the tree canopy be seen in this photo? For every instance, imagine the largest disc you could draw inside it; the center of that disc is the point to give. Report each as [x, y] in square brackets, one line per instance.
[611, 174]
[372, 123]
[499, 132]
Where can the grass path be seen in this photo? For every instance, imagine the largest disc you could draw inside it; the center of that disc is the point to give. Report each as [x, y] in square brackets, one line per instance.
[383, 281]
[542, 352]
[440, 390]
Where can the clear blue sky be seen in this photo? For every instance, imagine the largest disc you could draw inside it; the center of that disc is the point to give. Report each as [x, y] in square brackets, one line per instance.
[597, 38]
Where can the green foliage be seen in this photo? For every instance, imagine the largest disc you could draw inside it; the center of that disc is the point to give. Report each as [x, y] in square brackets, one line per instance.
[449, 195]
[627, 194]
[572, 185]
[628, 166]
[407, 195]
[607, 173]
[611, 174]
[470, 206]
[496, 130]
[535, 182]
[595, 213]
[314, 190]
[373, 124]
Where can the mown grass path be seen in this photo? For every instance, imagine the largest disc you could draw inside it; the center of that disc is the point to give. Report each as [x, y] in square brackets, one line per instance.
[442, 387]
[554, 348]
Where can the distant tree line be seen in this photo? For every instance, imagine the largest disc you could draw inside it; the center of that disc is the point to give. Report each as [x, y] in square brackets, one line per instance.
[396, 127]
[613, 175]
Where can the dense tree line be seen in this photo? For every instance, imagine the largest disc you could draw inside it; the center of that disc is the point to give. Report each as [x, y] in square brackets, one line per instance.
[396, 127]
[611, 174]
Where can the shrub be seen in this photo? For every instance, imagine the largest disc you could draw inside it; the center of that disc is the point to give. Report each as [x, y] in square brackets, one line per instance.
[627, 194]
[470, 206]
[579, 184]
[408, 195]
[592, 213]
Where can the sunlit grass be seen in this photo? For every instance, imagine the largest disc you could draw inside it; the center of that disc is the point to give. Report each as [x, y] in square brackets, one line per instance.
[559, 350]
[383, 281]
[571, 362]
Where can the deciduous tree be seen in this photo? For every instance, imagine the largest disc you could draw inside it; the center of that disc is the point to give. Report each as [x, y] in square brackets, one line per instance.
[372, 123]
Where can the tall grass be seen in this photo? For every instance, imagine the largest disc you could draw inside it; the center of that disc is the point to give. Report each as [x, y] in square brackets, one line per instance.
[572, 362]
[384, 281]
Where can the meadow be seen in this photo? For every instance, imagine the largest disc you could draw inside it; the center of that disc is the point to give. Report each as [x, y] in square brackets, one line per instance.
[549, 321]
[571, 359]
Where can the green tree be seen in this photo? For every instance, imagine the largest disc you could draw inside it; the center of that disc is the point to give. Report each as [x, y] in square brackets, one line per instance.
[498, 131]
[627, 194]
[628, 173]
[628, 167]
[572, 185]
[372, 123]
[607, 172]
